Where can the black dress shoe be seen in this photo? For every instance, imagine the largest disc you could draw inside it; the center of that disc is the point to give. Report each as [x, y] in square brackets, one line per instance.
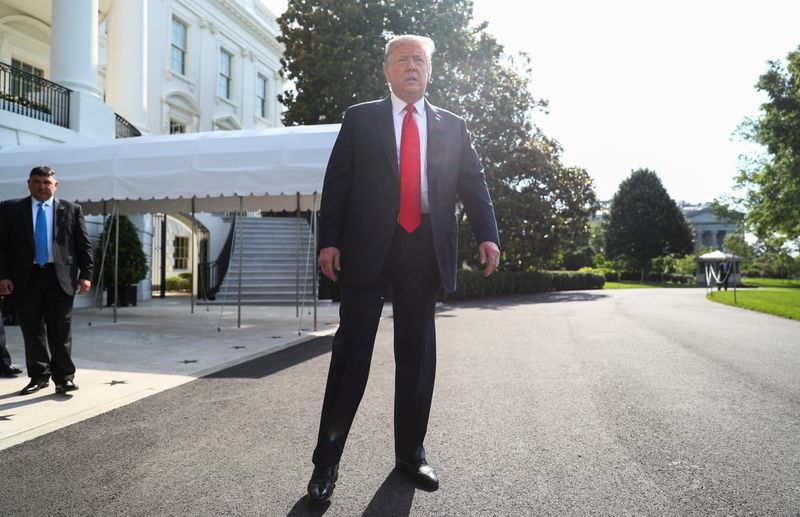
[323, 481]
[34, 386]
[421, 473]
[66, 386]
[9, 371]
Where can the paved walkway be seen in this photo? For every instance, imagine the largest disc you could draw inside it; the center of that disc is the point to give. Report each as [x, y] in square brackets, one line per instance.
[155, 346]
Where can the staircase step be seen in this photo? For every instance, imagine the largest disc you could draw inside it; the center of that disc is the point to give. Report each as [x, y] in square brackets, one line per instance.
[270, 258]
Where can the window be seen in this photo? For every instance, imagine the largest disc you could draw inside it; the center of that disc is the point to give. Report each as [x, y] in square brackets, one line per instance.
[261, 96]
[178, 49]
[180, 253]
[224, 88]
[23, 85]
[176, 127]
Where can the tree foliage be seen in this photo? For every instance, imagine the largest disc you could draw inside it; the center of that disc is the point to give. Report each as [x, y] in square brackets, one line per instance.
[132, 263]
[644, 223]
[334, 58]
[772, 181]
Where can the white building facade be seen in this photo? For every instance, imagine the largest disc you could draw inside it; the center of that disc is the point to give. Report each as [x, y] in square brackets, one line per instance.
[77, 70]
[709, 231]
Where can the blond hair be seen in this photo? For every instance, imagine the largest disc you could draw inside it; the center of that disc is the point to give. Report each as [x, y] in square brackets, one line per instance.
[425, 42]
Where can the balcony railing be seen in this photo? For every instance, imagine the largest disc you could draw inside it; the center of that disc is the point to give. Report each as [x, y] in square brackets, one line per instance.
[32, 96]
[125, 129]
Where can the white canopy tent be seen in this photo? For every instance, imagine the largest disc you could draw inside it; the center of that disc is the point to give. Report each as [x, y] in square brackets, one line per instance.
[712, 271]
[267, 168]
[263, 169]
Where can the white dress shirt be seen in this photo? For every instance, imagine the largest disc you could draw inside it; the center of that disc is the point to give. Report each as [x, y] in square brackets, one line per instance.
[420, 117]
[48, 210]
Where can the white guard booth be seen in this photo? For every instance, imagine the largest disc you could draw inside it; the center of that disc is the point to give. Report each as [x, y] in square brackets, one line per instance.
[710, 271]
[221, 171]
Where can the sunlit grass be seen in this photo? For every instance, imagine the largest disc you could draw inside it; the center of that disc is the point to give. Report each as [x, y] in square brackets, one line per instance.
[642, 285]
[770, 282]
[779, 301]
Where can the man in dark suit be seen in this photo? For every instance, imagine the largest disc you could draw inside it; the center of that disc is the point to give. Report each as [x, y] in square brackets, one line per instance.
[45, 258]
[388, 220]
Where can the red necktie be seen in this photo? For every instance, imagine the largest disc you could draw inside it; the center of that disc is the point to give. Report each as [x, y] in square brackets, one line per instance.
[409, 173]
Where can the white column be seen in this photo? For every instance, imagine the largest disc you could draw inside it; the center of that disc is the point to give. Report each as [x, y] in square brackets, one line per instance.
[126, 79]
[73, 45]
[73, 63]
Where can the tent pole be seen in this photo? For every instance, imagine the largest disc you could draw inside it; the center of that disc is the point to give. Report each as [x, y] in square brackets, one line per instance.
[116, 259]
[297, 263]
[191, 254]
[241, 249]
[98, 293]
[163, 256]
[314, 241]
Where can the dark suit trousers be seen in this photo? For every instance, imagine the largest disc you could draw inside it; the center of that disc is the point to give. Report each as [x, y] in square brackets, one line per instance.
[45, 318]
[412, 272]
[5, 357]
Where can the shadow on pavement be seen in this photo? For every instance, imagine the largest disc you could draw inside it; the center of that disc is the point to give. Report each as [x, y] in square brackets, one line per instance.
[502, 302]
[302, 508]
[27, 400]
[261, 367]
[394, 497]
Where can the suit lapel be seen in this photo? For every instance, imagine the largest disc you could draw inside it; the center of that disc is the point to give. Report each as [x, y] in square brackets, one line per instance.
[435, 131]
[26, 214]
[58, 216]
[385, 121]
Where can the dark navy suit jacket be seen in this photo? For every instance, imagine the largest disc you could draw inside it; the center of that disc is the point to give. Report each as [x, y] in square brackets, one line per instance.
[361, 194]
[72, 252]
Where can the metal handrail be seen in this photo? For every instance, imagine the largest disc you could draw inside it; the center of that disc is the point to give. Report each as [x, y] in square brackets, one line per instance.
[125, 129]
[32, 96]
[214, 272]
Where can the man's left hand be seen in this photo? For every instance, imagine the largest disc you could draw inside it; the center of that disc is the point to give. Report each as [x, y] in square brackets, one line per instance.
[83, 286]
[490, 255]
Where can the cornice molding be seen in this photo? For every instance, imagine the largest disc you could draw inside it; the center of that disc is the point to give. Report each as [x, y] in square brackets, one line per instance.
[258, 26]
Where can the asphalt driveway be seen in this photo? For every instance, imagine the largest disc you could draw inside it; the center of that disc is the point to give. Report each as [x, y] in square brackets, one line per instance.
[631, 402]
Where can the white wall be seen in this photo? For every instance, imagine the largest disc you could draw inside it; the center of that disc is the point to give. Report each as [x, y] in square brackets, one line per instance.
[245, 28]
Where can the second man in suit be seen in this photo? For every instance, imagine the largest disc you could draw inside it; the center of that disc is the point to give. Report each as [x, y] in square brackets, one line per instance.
[45, 259]
[388, 221]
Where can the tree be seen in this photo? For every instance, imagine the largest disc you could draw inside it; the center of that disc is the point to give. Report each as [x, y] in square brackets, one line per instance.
[334, 54]
[644, 223]
[132, 263]
[772, 181]
[334, 51]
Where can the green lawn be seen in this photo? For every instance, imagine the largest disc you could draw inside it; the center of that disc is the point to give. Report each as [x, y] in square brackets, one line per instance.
[777, 296]
[626, 284]
[770, 282]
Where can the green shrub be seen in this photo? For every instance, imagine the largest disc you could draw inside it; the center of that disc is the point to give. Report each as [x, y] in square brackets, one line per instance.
[472, 284]
[132, 262]
[180, 282]
[610, 275]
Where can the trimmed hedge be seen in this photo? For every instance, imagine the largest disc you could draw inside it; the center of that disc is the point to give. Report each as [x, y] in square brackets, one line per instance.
[636, 276]
[472, 284]
[180, 282]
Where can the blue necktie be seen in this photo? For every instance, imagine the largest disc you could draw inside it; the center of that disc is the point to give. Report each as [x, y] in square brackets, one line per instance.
[40, 236]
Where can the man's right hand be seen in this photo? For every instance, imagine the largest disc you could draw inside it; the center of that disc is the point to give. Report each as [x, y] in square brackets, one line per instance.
[6, 287]
[329, 262]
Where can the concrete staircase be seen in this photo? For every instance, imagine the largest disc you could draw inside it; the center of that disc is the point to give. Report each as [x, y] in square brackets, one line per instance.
[269, 266]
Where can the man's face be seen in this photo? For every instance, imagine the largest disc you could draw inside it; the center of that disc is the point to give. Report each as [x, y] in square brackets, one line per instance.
[408, 71]
[42, 187]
